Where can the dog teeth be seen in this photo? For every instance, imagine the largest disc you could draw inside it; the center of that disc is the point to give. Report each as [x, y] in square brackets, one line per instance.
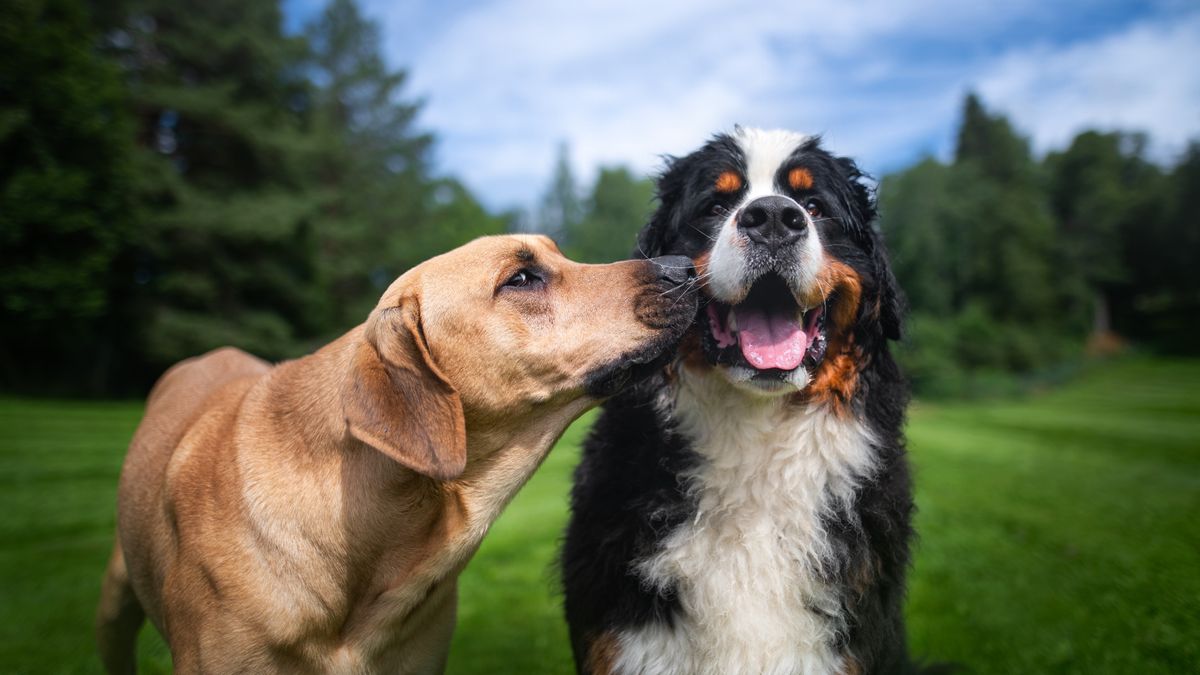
[733, 327]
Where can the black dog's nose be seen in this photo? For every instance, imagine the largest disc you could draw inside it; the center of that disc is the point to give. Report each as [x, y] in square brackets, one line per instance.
[675, 269]
[773, 221]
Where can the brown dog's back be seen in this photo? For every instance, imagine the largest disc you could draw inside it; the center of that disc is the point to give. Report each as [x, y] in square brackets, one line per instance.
[177, 400]
[177, 396]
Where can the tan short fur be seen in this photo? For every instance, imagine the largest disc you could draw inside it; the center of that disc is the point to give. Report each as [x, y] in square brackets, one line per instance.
[313, 516]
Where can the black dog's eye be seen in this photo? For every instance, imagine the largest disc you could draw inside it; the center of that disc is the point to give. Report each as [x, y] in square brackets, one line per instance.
[523, 279]
[813, 207]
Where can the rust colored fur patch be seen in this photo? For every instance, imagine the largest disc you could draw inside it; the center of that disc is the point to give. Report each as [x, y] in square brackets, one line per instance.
[729, 181]
[691, 352]
[836, 380]
[800, 178]
[601, 655]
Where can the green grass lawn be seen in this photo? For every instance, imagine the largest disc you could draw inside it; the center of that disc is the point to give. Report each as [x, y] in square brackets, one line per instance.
[1059, 534]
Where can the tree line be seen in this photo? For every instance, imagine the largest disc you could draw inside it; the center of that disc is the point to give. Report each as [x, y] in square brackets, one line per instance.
[178, 176]
[1013, 264]
[174, 177]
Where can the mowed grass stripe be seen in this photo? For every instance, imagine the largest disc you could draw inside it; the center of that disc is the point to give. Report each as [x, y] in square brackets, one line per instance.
[1058, 534]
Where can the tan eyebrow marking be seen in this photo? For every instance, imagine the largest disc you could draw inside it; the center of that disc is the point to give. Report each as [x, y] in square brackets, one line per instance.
[729, 181]
[800, 178]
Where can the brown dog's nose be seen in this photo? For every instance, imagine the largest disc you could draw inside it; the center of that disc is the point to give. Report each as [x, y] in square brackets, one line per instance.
[773, 221]
[674, 269]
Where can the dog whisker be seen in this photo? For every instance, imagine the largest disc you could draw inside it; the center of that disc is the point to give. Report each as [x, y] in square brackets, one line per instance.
[703, 233]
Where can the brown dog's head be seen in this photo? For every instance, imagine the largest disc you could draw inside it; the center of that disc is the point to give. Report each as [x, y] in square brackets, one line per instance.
[499, 332]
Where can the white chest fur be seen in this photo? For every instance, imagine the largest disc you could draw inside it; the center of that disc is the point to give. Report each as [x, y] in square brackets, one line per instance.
[747, 567]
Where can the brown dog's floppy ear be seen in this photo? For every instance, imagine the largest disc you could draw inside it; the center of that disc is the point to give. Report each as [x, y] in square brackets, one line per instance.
[397, 401]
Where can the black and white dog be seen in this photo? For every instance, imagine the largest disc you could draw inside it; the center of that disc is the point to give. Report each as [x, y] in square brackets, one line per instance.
[748, 511]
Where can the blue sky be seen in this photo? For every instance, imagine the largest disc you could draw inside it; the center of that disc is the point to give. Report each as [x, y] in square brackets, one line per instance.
[625, 81]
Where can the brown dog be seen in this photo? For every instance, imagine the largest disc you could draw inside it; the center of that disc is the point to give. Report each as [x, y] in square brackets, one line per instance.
[314, 516]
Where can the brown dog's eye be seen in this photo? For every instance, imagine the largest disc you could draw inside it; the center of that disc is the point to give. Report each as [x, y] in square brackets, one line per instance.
[813, 207]
[523, 279]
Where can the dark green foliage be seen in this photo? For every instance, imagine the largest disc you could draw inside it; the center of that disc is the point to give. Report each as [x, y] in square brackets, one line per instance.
[1090, 189]
[65, 203]
[230, 255]
[178, 176]
[201, 179]
[1009, 263]
[989, 142]
[1160, 300]
[453, 217]
[1008, 248]
[618, 206]
[1104, 194]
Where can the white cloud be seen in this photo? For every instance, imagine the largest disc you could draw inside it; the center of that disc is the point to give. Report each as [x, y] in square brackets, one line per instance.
[1143, 78]
[625, 81]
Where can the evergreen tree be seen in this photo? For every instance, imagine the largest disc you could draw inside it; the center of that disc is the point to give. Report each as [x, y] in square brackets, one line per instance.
[1160, 303]
[975, 246]
[371, 166]
[453, 217]
[617, 208]
[65, 211]
[1010, 249]
[920, 208]
[561, 209]
[1094, 188]
[230, 253]
[990, 143]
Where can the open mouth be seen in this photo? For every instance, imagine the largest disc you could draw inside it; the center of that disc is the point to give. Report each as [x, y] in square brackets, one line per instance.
[767, 332]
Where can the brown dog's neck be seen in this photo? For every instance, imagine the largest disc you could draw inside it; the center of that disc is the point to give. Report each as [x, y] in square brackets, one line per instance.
[303, 396]
[501, 458]
[303, 400]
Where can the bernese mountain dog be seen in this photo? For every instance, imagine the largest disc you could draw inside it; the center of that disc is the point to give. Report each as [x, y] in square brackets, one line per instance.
[748, 509]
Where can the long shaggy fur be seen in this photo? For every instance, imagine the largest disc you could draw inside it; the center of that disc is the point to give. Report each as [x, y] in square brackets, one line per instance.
[717, 531]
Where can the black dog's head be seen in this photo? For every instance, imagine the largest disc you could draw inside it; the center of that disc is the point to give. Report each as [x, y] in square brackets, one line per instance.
[799, 290]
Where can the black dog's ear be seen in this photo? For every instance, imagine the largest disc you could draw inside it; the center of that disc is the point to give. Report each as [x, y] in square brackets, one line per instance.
[891, 298]
[857, 198]
[650, 240]
[858, 201]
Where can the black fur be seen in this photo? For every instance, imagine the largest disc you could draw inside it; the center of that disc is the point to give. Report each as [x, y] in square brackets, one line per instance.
[629, 494]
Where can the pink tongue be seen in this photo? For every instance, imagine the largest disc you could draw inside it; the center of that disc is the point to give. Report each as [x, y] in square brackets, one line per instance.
[770, 341]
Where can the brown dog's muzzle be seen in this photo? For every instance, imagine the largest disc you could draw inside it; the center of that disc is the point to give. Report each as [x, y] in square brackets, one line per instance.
[667, 304]
[669, 278]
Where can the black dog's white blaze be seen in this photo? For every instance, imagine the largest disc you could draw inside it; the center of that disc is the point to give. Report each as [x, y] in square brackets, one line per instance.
[736, 264]
[717, 525]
